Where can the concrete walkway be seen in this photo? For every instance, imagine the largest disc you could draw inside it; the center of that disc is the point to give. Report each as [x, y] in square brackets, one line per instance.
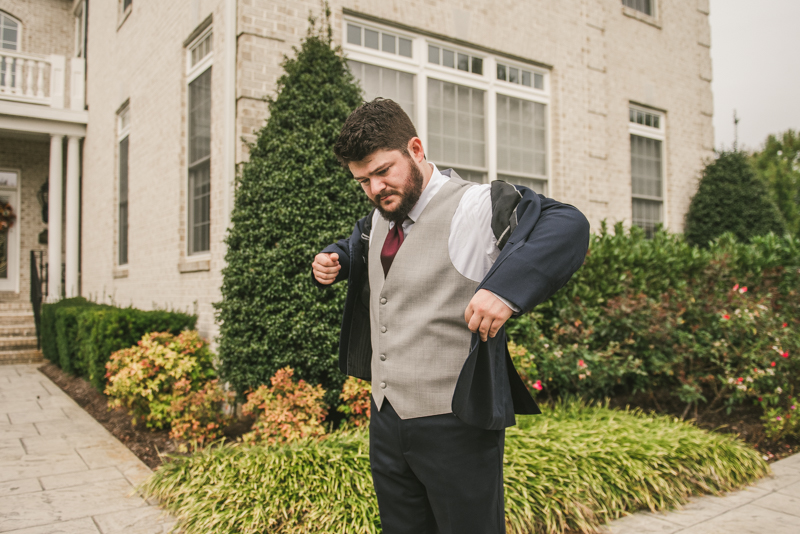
[61, 472]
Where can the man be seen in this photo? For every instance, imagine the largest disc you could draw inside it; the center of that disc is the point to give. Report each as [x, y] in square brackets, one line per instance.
[429, 292]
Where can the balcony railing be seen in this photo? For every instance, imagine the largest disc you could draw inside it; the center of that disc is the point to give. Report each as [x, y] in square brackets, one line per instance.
[38, 79]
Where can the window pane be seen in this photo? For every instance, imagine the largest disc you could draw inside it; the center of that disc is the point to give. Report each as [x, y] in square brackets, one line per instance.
[501, 72]
[521, 136]
[646, 166]
[526, 78]
[477, 65]
[449, 58]
[647, 215]
[199, 207]
[123, 202]
[200, 117]
[456, 135]
[371, 39]
[354, 34]
[538, 81]
[513, 75]
[388, 83]
[389, 43]
[433, 54]
[463, 62]
[477, 177]
[8, 179]
[405, 47]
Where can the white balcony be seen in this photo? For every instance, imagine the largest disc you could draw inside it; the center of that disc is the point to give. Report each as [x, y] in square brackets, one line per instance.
[42, 80]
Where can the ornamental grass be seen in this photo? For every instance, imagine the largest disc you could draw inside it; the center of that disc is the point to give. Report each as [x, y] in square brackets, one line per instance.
[574, 468]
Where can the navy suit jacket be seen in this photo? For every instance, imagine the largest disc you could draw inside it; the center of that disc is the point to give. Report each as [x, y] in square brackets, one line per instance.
[546, 247]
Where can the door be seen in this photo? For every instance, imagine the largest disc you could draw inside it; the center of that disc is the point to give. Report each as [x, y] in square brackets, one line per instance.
[9, 234]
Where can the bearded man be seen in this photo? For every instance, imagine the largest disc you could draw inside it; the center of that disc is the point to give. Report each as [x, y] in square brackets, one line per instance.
[434, 272]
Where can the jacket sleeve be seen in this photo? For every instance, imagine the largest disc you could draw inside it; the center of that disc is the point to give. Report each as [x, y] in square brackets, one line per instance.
[545, 249]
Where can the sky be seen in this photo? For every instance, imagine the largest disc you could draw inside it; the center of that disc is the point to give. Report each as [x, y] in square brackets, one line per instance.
[755, 50]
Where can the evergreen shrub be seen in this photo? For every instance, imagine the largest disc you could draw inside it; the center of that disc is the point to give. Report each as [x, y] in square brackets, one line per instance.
[778, 166]
[292, 199]
[79, 335]
[731, 199]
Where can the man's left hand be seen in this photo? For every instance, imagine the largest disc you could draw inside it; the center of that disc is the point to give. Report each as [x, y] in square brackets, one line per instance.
[486, 314]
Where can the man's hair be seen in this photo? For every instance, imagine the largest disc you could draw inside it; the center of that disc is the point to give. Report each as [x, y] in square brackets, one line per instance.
[378, 125]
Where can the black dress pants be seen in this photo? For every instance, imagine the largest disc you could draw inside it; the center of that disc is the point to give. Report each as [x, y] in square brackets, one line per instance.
[436, 475]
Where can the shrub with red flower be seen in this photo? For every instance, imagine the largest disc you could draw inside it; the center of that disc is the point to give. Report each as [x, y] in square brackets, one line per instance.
[355, 399]
[199, 417]
[286, 411]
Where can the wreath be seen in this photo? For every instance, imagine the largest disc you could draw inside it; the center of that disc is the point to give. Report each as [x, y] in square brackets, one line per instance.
[7, 216]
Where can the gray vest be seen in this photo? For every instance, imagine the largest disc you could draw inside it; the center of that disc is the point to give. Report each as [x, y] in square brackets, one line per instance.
[419, 338]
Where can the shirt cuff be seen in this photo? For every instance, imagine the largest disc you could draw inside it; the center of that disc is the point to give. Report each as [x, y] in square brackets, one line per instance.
[507, 303]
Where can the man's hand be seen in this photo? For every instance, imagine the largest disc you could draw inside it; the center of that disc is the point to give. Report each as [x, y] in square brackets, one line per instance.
[486, 314]
[326, 267]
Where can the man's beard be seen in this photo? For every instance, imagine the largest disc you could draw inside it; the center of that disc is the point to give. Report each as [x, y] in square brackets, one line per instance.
[409, 195]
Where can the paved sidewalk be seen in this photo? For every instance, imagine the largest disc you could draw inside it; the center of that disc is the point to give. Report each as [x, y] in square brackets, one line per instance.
[61, 472]
[770, 506]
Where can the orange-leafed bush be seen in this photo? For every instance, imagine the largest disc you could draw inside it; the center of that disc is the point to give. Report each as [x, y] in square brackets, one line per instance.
[198, 418]
[286, 411]
[355, 399]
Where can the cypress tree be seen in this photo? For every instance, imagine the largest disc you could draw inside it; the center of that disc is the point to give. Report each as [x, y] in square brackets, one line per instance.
[731, 199]
[292, 199]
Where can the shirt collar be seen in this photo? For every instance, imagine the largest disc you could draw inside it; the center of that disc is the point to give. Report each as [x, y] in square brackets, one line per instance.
[434, 184]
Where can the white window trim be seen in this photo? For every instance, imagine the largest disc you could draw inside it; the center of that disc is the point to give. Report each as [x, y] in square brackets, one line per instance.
[20, 30]
[192, 73]
[419, 66]
[659, 134]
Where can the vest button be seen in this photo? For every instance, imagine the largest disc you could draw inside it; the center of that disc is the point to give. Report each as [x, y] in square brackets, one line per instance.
[383, 357]
[383, 385]
[383, 329]
[383, 300]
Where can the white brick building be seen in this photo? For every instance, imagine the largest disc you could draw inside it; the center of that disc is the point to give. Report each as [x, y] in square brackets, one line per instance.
[604, 104]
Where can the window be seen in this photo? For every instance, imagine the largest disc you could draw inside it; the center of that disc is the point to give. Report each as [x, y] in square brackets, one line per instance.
[199, 150]
[9, 32]
[520, 76]
[123, 135]
[482, 115]
[647, 169]
[375, 39]
[645, 6]
[80, 29]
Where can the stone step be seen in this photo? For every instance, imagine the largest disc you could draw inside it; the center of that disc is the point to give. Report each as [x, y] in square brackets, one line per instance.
[16, 330]
[16, 305]
[16, 319]
[20, 356]
[17, 343]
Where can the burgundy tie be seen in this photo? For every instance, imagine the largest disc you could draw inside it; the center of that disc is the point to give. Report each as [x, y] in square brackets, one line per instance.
[390, 247]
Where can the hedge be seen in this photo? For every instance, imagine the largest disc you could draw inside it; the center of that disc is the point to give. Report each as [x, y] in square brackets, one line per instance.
[80, 336]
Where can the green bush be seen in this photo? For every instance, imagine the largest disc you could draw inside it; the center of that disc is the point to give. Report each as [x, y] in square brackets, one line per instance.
[731, 199]
[572, 469]
[292, 199]
[79, 336]
[778, 166]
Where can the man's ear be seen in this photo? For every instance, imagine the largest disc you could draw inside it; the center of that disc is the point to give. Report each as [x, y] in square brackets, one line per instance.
[416, 150]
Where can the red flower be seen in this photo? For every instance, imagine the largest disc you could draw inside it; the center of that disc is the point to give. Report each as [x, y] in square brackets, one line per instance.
[740, 379]
[773, 364]
[785, 354]
[736, 287]
[581, 363]
[743, 290]
[759, 399]
[726, 316]
[785, 325]
[538, 385]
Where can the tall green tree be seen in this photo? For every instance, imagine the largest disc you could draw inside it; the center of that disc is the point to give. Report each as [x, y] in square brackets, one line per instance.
[778, 165]
[731, 199]
[292, 199]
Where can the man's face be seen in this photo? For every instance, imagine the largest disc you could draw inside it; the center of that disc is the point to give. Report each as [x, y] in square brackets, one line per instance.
[391, 180]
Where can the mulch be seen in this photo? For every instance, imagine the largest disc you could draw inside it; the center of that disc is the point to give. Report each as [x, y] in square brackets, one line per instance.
[149, 445]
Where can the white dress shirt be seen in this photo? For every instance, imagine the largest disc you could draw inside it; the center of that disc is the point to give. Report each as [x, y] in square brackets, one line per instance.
[472, 244]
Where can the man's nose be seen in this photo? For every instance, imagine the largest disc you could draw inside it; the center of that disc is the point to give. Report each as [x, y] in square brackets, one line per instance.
[377, 186]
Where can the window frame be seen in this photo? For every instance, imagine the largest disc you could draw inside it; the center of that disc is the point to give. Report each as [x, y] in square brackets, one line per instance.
[419, 66]
[657, 134]
[123, 133]
[80, 28]
[20, 30]
[192, 73]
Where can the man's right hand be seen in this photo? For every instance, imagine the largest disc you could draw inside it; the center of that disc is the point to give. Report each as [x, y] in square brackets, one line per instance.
[326, 267]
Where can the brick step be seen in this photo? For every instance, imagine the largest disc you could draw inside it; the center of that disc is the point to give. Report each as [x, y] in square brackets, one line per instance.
[17, 343]
[16, 330]
[20, 356]
[17, 305]
[17, 319]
